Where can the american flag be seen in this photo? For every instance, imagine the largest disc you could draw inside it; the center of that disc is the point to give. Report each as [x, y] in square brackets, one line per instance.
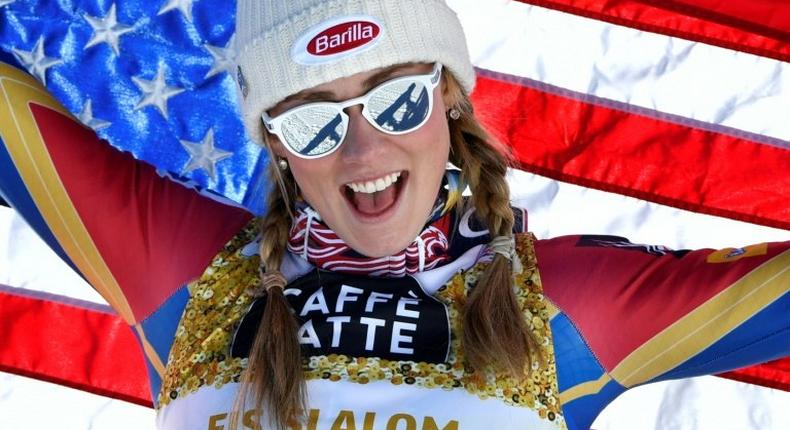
[667, 122]
[152, 78]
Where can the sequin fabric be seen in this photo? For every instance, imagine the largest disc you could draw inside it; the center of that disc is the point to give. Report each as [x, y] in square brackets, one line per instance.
[200, 354]
[218, 300]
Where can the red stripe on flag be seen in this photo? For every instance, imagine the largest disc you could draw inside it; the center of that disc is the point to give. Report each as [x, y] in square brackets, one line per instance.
[81, 348]
[766, 17]
[758, 27]
[608, 148]
[774, 374]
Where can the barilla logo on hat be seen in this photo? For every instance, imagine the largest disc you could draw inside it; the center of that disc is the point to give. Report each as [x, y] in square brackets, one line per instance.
[337, 38]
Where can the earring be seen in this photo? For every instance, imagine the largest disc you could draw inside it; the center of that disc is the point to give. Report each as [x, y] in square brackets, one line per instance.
[282, 164]
[455, 113]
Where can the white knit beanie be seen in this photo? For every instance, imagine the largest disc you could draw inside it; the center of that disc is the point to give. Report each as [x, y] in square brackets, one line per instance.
[286, 46]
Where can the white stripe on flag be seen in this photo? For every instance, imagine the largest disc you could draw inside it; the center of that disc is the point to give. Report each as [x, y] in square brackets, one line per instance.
[557, 208]
[698, 403]
[652, 71]
[29, 404]
[27, 262]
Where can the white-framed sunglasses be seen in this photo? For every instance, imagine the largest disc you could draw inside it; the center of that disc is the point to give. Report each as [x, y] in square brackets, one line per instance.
[397, 106]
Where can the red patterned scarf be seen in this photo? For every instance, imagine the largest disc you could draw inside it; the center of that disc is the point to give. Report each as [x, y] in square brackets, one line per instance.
[442, 240]
[314, 241]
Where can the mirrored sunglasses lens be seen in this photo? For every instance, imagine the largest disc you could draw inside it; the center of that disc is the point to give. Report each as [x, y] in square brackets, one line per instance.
[313, 131]
[400, 106]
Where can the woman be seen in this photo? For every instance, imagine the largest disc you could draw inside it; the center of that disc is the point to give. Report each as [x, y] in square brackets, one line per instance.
[362, 136]
[399, 303]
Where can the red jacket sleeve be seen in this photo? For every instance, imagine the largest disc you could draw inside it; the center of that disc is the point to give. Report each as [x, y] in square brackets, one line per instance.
[650, 313]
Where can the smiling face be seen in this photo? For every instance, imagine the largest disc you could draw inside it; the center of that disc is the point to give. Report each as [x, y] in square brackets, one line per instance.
[376, 190]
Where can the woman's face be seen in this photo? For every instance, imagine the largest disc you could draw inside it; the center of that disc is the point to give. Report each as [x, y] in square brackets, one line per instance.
[384, 222]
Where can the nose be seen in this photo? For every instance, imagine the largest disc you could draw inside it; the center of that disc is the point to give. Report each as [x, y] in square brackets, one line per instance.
[364, 143]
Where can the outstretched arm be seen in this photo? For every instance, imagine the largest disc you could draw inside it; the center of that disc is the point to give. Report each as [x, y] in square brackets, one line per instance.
[632, 314]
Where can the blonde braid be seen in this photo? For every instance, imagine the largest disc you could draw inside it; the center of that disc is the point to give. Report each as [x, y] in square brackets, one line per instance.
[274, 377]
[494, 331]
[276, 225]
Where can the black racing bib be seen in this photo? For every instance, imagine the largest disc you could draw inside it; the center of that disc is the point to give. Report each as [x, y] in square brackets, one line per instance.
[390, 318]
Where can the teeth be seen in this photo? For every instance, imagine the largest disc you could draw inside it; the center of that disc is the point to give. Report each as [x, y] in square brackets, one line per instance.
[379, 184]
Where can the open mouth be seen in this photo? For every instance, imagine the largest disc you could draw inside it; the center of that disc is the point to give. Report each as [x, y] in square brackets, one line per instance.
[375, 197]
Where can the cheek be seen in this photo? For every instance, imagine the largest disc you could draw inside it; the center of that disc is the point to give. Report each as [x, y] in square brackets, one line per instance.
[439, 127]
[308, 175]
[434, 140]
[429, 154]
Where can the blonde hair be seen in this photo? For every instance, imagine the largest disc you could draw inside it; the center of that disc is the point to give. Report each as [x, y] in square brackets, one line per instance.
[495, 335]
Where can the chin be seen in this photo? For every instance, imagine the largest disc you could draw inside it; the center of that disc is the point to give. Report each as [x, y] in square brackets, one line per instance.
[388, 233]
[375, 244]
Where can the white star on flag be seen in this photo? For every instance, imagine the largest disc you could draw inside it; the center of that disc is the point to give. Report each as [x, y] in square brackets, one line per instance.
[35, 61]
[224, 58]
[86, 117]
[155, 92]
[6, 2]
[107, 30]
[203, 155]
[183, 6]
